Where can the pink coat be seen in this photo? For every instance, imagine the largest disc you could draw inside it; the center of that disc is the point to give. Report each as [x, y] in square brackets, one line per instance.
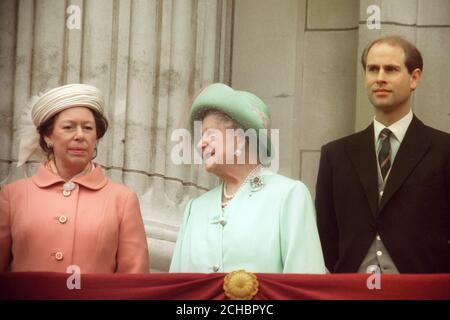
[98, 227]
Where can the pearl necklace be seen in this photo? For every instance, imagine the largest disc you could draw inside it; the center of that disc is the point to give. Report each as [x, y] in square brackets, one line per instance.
[247, 178]
[226, 195]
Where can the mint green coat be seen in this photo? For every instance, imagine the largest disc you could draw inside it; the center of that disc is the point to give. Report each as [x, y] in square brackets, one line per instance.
[270, 230]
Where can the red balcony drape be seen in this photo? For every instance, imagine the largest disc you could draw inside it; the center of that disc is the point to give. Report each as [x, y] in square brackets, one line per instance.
[47, 285]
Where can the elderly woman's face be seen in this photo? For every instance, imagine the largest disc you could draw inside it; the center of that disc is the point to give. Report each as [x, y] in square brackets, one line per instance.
[74, 136]
[214, 144]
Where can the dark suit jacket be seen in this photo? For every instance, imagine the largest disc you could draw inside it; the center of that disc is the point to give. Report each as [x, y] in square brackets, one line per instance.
[413, 216]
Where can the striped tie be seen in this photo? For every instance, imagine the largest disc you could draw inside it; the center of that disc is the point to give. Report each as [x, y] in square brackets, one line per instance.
[384, 156]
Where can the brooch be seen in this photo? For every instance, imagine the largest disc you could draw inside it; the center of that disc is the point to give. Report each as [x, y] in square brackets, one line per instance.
[256, 183]
[67, 188]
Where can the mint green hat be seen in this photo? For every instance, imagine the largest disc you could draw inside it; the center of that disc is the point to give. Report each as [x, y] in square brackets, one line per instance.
[241, 106]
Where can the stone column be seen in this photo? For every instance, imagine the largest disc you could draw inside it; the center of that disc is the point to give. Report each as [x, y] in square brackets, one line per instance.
[8, 50]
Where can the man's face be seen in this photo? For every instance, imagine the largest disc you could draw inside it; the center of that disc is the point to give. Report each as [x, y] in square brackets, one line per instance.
[388, 82]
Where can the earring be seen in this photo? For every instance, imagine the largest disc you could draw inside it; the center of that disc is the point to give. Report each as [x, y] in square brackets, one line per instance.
[95, 155]
[238, 152]
[50, 144]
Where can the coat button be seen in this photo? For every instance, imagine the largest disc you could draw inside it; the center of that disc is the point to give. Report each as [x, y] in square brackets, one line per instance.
[216, 267]
[62, 219]
[59, 256]
[222, 221]
[379, 253]
[378, 238]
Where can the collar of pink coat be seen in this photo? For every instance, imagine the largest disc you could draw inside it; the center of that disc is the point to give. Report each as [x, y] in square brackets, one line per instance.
[94, 180]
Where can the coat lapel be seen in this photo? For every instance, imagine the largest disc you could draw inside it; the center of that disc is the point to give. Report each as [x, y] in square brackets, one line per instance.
[412, 149]
[361, 151]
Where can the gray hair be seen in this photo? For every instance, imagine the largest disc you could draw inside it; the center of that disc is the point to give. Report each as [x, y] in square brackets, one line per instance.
[233, 124]
[201, 115]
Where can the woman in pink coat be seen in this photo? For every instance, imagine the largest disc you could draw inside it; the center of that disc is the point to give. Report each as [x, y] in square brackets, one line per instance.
[69, 213]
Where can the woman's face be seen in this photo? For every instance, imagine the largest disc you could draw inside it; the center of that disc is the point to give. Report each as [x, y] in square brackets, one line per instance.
[74, 137]
[215, 146]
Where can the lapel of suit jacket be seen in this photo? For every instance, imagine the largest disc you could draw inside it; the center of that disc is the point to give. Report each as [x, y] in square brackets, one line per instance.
[412, 149]
[361, 151]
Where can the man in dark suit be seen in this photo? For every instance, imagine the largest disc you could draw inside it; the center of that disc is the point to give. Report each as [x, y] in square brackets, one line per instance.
[383, 194]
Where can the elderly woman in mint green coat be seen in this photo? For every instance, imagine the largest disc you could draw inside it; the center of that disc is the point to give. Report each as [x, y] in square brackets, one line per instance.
[255, 219]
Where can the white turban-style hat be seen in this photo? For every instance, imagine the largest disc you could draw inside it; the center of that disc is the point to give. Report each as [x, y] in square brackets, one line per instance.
[53, 102]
